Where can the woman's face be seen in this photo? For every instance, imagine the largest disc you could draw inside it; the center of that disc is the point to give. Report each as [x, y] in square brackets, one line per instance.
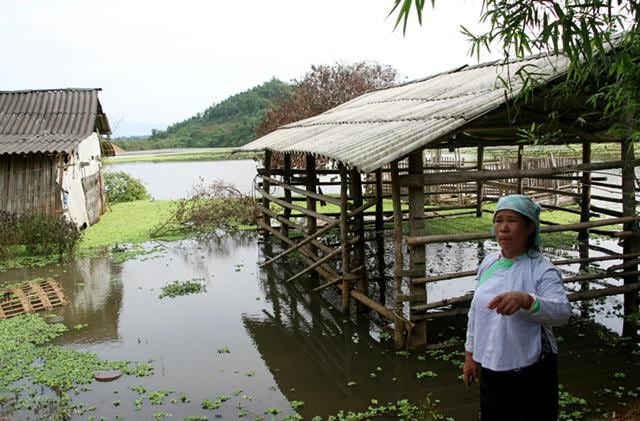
[512, 232]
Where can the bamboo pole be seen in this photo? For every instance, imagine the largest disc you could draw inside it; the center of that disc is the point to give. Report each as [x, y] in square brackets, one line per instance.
[358, 229]
[562, 262]
[480, 159]
[468, 297]
[398, 266]
[519, 183]
[417, 253]
[286, 214]
[452, 177]
[344, 236]
[316, 264]
[265, 199]
[312, 222]
[301, 209]
[304, 241]
[324, 270]
[306, 194]
[576, 296]
[418, 240]
[379, 236]
[630, 244]
[585, 212]
[609, 212]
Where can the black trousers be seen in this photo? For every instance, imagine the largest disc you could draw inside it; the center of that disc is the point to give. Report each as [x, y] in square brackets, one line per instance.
[527, 394]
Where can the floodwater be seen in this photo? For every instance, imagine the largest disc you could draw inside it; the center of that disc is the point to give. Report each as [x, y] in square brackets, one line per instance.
[175, 180]
[285, 345]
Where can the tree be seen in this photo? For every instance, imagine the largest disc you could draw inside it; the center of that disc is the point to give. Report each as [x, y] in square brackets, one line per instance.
[326, 87]
[601, 38]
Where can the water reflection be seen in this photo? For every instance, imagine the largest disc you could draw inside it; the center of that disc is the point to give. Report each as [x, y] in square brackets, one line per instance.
[94, 291]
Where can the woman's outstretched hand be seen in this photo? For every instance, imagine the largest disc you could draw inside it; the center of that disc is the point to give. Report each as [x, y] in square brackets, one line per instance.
[508, 303]
[470, 369]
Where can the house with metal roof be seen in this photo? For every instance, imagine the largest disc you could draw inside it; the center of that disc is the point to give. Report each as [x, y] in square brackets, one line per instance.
[387, 132]
[50, 158]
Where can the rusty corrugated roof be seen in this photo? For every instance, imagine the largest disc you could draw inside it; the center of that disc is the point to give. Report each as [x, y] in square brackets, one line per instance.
[51, 120]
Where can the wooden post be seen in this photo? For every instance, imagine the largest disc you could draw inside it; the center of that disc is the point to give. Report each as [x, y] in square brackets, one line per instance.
[398, 337]
[382, 285]
[520, 150]
[286, 178]
[417, 255]
[630, 244]
[479, 163]
[344, 236]
[265, 186]
[358, 229]
[312, 223]
[585, 212]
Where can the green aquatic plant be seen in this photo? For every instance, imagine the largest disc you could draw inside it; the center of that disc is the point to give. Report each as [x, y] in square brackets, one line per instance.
[29, 360]
[179, 288]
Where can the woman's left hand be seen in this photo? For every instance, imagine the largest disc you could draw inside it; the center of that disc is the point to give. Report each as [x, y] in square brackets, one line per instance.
[508, 303]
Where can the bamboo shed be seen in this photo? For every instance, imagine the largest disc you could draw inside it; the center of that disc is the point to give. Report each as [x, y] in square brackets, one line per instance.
[387, 132]
[50, 156]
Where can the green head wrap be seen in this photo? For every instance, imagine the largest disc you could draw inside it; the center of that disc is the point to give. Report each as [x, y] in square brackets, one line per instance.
[525, 207]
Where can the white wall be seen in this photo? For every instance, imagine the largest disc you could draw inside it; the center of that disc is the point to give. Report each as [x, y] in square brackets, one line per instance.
[84, 161]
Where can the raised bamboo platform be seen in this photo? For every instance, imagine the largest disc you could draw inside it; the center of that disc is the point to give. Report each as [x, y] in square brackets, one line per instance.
[358, 220]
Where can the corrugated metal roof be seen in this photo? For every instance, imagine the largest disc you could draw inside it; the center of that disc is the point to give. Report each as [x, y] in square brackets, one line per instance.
[52, 120]
[379, 127]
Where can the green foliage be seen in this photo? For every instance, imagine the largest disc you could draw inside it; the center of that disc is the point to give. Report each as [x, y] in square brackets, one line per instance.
[178, 288]
[40, 234]
[28, 358]
[122, 187]
[601, 41]
[231, 122]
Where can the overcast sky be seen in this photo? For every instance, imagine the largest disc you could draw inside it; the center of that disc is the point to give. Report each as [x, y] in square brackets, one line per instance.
[159, 62]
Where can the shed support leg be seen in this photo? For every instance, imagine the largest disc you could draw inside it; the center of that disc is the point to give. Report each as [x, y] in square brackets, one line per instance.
[284, 228]
[585, 204]
[358, 230]
[266, 187]
[344, 237]
[380, 237]
[479, 163]
[311, 182]
[631, 244]
[417, 254]
[398, 336]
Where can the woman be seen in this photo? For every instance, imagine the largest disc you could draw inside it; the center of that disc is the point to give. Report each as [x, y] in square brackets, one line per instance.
[519, 296]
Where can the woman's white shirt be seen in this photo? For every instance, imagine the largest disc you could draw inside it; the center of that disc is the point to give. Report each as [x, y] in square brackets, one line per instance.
[500, 342]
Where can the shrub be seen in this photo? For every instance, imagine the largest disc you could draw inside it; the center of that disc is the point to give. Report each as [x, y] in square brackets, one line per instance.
[212, 210]
[40, 234]
[122, 187]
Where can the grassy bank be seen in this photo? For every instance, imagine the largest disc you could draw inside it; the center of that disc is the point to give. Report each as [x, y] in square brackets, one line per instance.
[129, 222]
[221, 154]
[126, 225]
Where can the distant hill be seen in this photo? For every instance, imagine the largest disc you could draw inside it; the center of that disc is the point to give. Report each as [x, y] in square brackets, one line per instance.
[231, 122]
